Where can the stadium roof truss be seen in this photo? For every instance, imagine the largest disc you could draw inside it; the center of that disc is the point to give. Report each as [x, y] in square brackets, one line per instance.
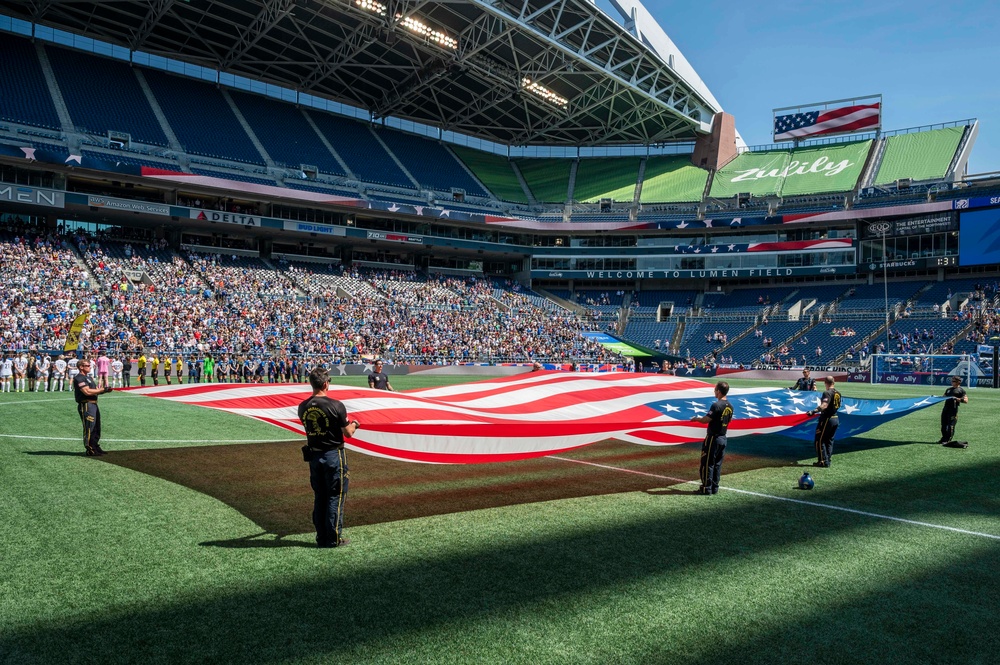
[534, 72]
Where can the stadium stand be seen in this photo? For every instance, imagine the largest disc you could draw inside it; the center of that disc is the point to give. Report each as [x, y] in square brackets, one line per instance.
[416, 153]
[606, 178]
[548, 179]
[832, 338]
[700, 336]
[752, 348]
[495, 172]
[125, 158]
[669, 179]
[208, 127]
[122, 106]
[646, 333]
[24, 96]
[360, 150]
[234, 176]
[872, 297]
[285, 133]
[744, 301]
[796, 172]
[649, 301]
[918, 156]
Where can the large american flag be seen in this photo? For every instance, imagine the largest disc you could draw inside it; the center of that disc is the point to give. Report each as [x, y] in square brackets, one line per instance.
[832, 121]
[536, 414]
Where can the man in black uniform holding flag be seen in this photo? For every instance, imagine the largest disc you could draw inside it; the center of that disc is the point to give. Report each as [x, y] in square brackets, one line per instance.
[949, 415]
[826, 426]
[85, 391]
[806, 382]
[713, 449]
[326, 425]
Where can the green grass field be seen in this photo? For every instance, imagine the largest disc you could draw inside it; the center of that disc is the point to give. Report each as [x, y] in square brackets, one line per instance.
[187, 544]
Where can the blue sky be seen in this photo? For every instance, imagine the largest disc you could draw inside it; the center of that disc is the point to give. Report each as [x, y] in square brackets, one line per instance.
[933, 62]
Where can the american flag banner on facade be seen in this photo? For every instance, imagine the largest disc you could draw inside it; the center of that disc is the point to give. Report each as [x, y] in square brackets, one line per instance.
[832, 121]
[536, 414]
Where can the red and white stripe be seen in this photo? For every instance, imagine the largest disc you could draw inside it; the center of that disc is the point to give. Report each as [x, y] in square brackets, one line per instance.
[495, 420]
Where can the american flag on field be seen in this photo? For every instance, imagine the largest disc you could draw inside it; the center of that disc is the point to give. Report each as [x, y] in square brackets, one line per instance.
[832, 121]
[536, 414]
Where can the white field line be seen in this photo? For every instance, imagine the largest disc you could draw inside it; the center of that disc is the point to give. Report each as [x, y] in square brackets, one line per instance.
[814, 504]
[79, 438]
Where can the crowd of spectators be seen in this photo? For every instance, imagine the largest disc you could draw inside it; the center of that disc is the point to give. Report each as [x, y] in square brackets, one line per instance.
[145, 297]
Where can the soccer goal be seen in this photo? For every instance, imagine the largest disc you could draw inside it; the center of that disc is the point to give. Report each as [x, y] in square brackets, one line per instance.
[928, 370]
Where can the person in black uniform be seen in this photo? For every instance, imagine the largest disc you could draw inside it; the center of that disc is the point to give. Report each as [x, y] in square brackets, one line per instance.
[126, 369]
[949, 415]
[85, 391]
[713, 449]
[378, 379]
[326, 425]
[806, 382]
[826, 426]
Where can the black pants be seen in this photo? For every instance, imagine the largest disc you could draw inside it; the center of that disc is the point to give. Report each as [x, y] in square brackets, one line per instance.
[328, 475]
[90, 416]
[713, 449]
[948, 422]
[126, 379]
[826, 430]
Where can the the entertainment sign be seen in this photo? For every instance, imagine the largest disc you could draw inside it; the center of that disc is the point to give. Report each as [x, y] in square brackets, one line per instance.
[911, 226]
[728, 273]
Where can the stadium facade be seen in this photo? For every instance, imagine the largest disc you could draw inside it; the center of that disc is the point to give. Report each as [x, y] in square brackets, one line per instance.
[217, 124]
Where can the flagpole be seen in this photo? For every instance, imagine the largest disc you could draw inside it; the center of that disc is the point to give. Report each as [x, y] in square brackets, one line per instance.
[885, 283]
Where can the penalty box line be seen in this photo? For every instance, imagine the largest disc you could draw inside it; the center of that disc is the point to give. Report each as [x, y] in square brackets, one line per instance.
[814, 504]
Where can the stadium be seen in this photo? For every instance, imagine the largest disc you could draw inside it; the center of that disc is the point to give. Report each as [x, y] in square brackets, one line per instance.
[471, 191]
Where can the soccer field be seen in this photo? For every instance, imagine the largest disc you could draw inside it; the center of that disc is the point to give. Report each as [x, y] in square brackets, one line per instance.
[191, 542]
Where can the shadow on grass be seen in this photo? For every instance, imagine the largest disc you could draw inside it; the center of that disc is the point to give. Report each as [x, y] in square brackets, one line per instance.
[254, 541]
[432, 597]
[55, 453]
[269, 484]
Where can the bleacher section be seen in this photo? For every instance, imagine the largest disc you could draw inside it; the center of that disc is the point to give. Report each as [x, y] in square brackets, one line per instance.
[647, 332]
[937, 294]
[918, 156]
[751, 348]
[669, 179]
[871, 298]
[359, 148]
[833, 346]
[201, 118]
[649, 301]
[416, 153]
[285, 133]
[797, 172]
[24, 96]
[104, 94]
[606, 178]
[744, 301]
[548, 179]
[694, 344]
[495, 172]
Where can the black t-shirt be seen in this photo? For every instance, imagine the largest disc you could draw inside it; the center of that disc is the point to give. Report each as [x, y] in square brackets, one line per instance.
[951, 405]
[720, 413]
[80, 381]
[805, 384]
[323, 418]
[832, 399]
[379, 381]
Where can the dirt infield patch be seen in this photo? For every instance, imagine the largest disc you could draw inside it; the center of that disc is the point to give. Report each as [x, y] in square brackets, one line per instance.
[269, 483]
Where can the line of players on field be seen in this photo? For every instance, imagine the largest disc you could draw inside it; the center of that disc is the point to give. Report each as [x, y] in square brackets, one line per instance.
[40, 373]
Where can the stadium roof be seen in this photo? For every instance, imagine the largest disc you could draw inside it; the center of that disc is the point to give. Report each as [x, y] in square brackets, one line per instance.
[537, 72]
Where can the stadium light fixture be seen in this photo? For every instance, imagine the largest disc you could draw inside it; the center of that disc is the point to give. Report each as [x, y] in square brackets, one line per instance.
[541, 91]
[414, 25]
[440, 38]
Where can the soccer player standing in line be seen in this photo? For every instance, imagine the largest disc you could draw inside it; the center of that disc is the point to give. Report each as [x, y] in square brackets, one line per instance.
[826, 426]
[116, 373]
[59, 374]
[713, 448]
[6, 372]
[949, 415]
[141, 367]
